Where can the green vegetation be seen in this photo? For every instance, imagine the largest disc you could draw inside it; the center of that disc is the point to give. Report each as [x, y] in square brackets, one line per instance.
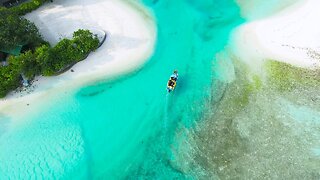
[27, 7]
[26, 64]
[66, 52]
[15, 30]
[40, 58]
[286, 77]
[9, 79]
[46, 60]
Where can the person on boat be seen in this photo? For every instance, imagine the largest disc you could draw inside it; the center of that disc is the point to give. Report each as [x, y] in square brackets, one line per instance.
[171, 83]
[174, 76]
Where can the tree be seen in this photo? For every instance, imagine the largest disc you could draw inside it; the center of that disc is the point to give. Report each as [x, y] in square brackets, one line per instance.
[9, 79]
[45, 60]
[28, 64]
[85, 40]
[44, 56]
[15, 30]
[27, 7]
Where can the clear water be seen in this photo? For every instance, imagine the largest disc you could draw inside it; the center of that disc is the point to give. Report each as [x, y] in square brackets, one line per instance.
[125, 128]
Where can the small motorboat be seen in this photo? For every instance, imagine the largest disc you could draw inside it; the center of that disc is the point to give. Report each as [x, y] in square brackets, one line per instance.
[172, 82]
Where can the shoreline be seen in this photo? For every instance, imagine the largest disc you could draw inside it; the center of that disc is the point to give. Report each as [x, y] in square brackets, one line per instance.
[131, 38]
[288, 36]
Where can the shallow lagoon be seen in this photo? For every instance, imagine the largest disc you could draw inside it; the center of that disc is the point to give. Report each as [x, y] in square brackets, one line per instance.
[126, 127]
[130, 127]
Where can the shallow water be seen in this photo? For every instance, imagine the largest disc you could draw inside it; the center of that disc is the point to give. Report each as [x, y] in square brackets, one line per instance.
[261, 134]
[126, 128]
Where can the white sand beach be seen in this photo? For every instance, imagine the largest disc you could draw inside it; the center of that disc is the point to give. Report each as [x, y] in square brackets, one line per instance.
[290, 35]
[131, 35]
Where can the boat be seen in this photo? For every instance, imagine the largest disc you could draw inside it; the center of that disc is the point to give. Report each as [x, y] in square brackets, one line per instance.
[172, 82]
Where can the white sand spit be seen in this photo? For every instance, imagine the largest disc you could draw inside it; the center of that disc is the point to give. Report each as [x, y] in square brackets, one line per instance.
[290, 36]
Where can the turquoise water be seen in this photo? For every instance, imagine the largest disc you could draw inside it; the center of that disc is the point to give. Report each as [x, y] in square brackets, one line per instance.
[125, 128]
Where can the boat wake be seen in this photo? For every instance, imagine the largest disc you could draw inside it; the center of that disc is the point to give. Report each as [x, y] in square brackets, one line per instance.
[165, 118]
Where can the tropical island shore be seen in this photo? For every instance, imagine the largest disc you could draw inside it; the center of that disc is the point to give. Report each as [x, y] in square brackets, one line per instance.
[288, 36]
[131, 38]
